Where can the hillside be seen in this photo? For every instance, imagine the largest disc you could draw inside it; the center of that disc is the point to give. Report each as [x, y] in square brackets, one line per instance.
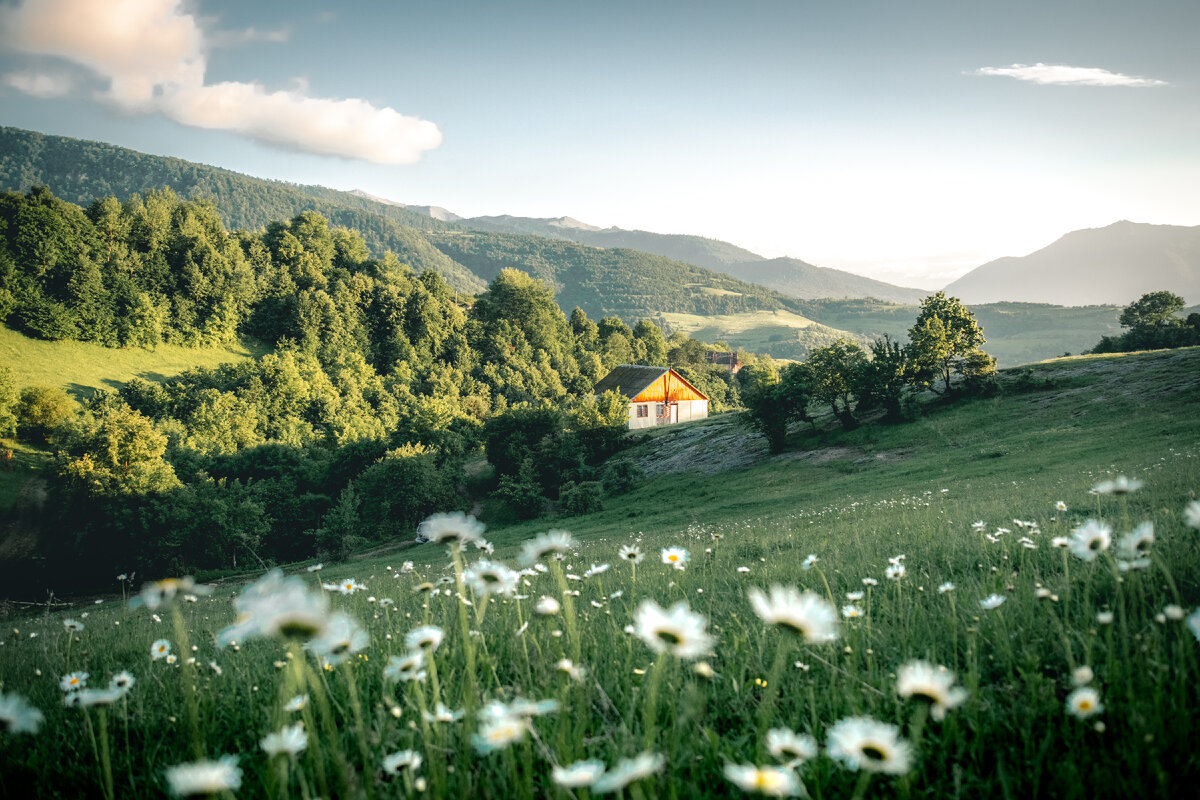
[80, 171]
[788, 276]
[1113, 265]
[602, 281]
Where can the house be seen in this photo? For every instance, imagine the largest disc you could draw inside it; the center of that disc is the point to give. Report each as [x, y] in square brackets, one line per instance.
[727, 360]
[657, 395]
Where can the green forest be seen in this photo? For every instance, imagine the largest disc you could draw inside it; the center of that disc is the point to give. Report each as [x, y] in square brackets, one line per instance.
[379, 383]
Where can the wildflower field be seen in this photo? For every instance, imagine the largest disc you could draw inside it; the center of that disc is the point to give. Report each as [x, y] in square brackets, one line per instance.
[1004, 606]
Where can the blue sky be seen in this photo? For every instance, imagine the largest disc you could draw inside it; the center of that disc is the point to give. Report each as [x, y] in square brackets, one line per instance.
[910, 141]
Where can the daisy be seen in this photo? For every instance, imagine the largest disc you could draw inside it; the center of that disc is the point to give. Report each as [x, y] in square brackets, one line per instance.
[1119, 485]
[627, 771]
[73, 681]
[851, 611]
[575, 672]
[946, 587]
[348, 586]
[1193, 623]
[73, 625]
[499, 730]
[315, 568]
[427, 638]
[1104, 617]
[855, 596]
[1090, 539]
[404, 759]
[790, 747]
[122, 682]
[490, 577]
[678, 631]
[933, 684]
[296, 703]
[807, 614]
[551, 543]
[1191, 514]
[978, 526]
[406, 668]
[1084, 702]
[1060, 506]
[1135, 545]
[18, 716]
[1082, 676]
[289, 740]
[578, 775]
[677, 557]
[158, 593]
[443, 714]
[895, 572]
[275, 606]
[870, 582]
[868, 744]
[809, 561]
[771, 781]
[596, 569]
[342, 638]
[201, 778]
[547, 606]
[453, 528]
[631, 553]
[1173, 612]
[992, 601]
[87, 698]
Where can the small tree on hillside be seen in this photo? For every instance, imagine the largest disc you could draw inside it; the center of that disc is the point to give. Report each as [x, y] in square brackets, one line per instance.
[884, 379]
[945, 341]
[773, 399]
[837, 372]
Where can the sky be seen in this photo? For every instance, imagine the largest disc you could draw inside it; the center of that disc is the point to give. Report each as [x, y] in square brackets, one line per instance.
[907, 141]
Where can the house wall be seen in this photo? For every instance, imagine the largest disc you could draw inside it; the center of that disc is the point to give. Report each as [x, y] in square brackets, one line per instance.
[687, 411]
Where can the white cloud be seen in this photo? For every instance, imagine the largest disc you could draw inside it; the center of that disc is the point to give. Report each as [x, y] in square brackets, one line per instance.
[38, 84]
[1062, 75]
[154, 56]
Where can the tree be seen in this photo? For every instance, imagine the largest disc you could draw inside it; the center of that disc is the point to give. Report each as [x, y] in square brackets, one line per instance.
[117, 452]
[9, 399]
[944, 341]
[837, 374]
[883, 379]
[41, 409]
[773, 400]
[1152, 311]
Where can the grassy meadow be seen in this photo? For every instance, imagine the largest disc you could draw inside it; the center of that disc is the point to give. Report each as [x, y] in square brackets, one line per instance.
[82, 368]
[1065, 673]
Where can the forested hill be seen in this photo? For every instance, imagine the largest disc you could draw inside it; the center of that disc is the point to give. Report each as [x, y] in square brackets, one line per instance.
[604, 281]
[81, 171]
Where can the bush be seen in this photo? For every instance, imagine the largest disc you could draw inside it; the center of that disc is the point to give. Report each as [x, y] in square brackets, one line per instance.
[41, 409]
[581, 498]
[620, 477]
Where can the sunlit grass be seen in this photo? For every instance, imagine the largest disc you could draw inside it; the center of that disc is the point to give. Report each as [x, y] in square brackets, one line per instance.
[1021, 731]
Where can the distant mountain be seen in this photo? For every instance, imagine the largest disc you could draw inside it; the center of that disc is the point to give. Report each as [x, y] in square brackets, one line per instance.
[80, 171]
[436, 212]
[788, 276]
[796, 278]
[1112, 265]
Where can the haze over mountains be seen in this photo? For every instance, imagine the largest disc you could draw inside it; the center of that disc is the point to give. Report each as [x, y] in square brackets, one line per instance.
[1112, 265]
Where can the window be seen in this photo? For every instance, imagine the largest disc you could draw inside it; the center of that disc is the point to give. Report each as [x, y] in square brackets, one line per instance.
[643, 410]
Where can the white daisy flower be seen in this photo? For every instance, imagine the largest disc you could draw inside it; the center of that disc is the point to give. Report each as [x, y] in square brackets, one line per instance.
[18, 716]
[401, 760]
[408, 667]
[455, 527]
[790, 747]
[491, 577]
[806, 613]
[343, 637]
[1191, 514]
[934, 684]
[289, 740]
[1104, 617]
[577, 775]
[895, 572]
[1090, 539]
[551, 543]
[202, 778]
[1136, 544]
[72, 625]
[73, 681]
[678, 631]
[1084, 702]
[863, 743]
[160, 649]
[1119, 485]
[122, 681]
[547, 606]
[1082, 676]
[499, 730]
[676, 557]
[770, 781]
[443, 714]
[992, 601]
[810, 561]
[946, 587]
[851, 611]
[631, 553]
[627, 771]
[296, 703]
[277, 606]
[426, 637]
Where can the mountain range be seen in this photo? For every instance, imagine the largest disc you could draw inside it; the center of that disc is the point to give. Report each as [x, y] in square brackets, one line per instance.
[1116, 265]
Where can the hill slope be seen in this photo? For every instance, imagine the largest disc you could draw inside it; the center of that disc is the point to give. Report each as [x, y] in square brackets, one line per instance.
[80, 171]
[788, 276]
[1112, 265]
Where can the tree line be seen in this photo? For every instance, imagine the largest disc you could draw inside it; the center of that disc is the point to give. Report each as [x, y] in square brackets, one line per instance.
[379, 384]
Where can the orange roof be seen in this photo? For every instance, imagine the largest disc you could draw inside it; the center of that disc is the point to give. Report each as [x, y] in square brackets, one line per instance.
[643, 384]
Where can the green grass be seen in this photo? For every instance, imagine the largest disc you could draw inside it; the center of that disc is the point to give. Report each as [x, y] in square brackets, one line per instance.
[82, 368]
[854, 500]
